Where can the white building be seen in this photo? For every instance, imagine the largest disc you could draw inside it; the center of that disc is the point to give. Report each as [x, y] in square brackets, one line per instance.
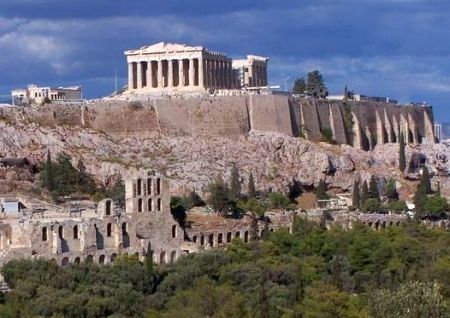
[36, 95]
[251, 72]
[174, 68]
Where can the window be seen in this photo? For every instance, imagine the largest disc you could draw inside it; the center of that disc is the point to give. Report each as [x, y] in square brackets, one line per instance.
[149, 186]
[61, 232]
[108, 208]
[44, 233]
[75, 232]
[109, 230]
[158, 186]
[174, 231]
[139, 187]
[159, 204]
[150, 205]
[139, 205]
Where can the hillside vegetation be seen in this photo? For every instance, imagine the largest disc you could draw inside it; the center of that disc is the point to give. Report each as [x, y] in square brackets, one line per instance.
[396, 272]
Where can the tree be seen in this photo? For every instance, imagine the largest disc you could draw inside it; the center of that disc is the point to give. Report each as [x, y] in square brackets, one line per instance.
[364, 193]
[356, 197]
[326, 301]
[397, 206]
[402, 155]
[372, 206]
[321, 191]
[315, 85]
[373, 189]
[425, 182]
[251, 187]
[278, 200]
[220, 196]
[48, 180]
[410, 300]
[435, 206]
[391, 191]
[235, 182]
[299, 86]
[84, 182]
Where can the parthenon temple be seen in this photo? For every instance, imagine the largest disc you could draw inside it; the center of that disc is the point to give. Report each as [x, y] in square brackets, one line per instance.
[178, 67]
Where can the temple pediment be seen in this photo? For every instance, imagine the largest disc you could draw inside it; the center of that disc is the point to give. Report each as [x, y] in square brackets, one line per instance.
[163, 47]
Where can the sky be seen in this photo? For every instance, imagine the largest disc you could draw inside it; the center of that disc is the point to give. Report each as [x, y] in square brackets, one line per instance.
[394, 48]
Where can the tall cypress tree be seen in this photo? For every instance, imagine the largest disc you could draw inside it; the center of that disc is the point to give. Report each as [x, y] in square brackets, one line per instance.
[235, 182]
[49, 175]
[391, 191]
[356, 197]
[321, 191]
[402, 155]
[425, 182]
[251, 187]
[373, 189]
[364, 193]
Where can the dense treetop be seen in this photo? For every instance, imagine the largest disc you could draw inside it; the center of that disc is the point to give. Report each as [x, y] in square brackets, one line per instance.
[395, 272]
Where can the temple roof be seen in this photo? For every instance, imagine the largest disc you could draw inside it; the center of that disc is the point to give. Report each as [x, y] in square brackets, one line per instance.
[163, 47]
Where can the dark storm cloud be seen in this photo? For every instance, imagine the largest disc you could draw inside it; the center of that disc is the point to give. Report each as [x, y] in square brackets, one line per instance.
[386, 47]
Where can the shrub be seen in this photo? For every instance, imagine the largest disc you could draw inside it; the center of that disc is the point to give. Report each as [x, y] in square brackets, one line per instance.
[135, 106]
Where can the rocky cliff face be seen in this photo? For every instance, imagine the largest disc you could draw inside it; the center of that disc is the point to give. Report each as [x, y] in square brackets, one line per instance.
[112, 144]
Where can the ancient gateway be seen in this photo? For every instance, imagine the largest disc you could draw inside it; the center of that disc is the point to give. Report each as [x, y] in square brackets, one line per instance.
[101, 233]
[177, 67]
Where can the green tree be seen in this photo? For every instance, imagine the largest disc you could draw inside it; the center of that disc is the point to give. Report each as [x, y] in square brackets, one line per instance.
[299, 86]
[253, 205]
[220, 196]
[391, 191]
[315, 85]
[84, 183]
[372, 206]
[251, 187]
[356, 197]
[402, 155]
[326, 301]
[410, 300]
[278, 200]
[47, 174]
[235, 183]
[321, 190]
[397, 206]
[364, 193]
[425, 181]
[373, 189]
[435, 206]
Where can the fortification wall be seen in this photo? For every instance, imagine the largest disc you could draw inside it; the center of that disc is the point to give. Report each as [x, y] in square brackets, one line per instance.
[361, 124]
[271, 113]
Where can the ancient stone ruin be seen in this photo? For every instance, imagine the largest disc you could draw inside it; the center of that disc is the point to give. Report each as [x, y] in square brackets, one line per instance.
[101, 233]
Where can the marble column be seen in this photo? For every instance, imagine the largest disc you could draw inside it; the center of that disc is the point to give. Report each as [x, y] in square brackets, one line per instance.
[170, 73]
[217, 75]
[130, 76]
[209, 72]
[160, 79]
[149, 74]
[201, 70]
[213, 73]
[139, 75]
[227, 75]
[180, 73]
[191, 73]
[221, 74]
